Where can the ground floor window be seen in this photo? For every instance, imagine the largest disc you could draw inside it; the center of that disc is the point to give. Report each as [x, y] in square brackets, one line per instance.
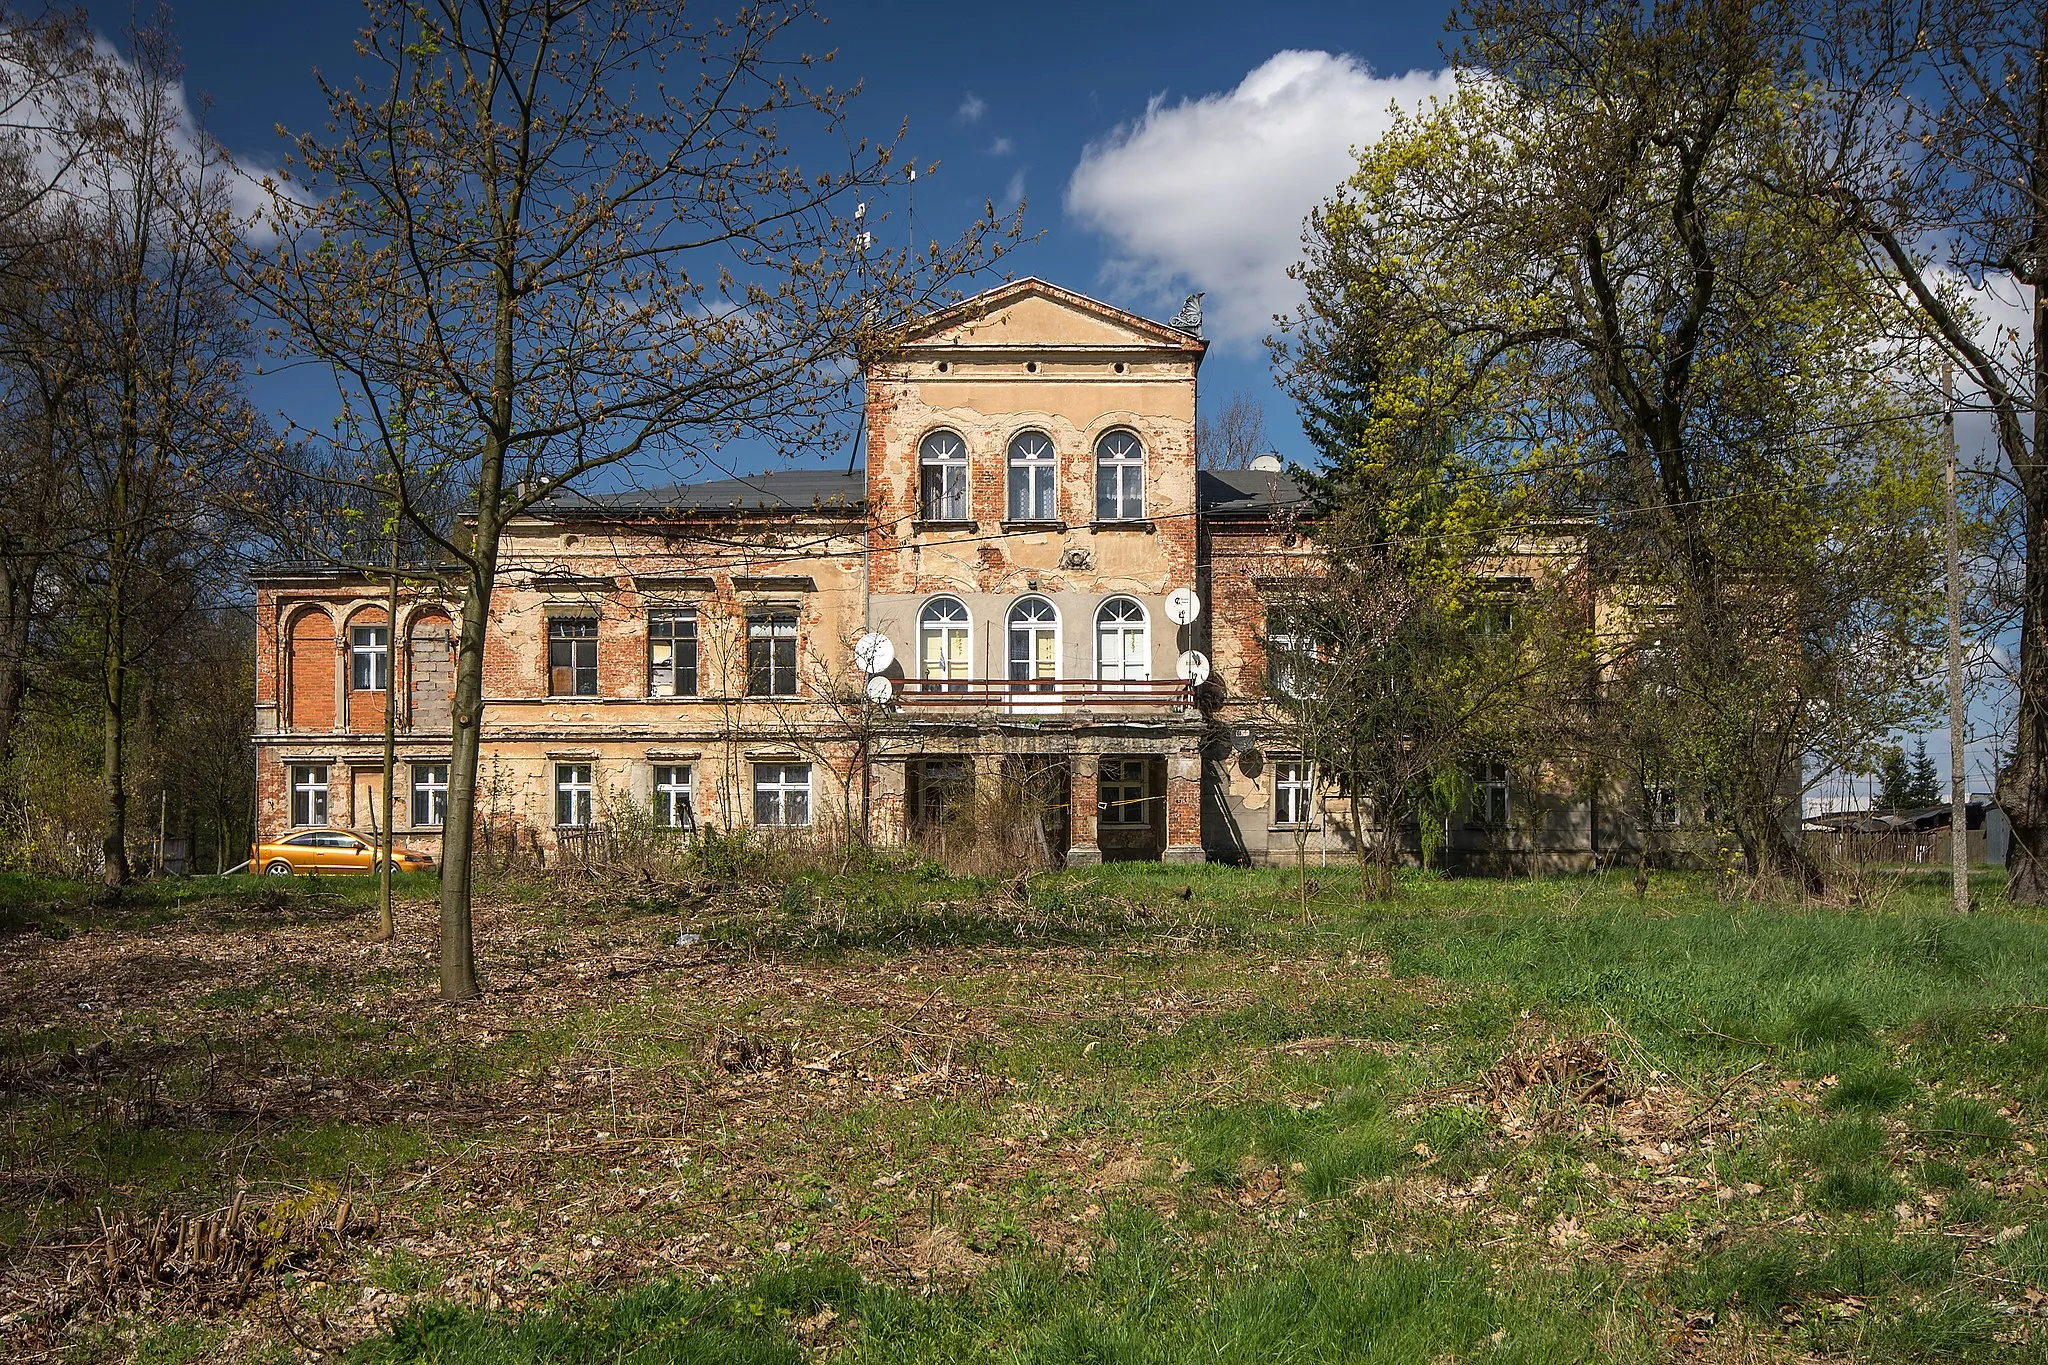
[1293, 792]
[782, 795]
[429, 795]
[672, 796]
[1125, 791]
[309, 794]
[572, 794]
[1491, 804]
[1663, 807]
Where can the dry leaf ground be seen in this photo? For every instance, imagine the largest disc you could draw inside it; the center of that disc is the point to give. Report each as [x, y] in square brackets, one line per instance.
[1127, 1114]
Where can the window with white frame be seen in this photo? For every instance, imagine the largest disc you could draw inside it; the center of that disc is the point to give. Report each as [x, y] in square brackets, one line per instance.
[1490, 806]
[572, 656]
[1124, 789]
[1293, 792]
[672, 653]
[942, 477]
[1663, 806]
[369, 658]
[771, 654]
[573, 793]
[309, 794]
[1034, 645]
[1290, 661]
[1032, 477]
[672, 809]
[943, 631]
[1119, 478]
[1123, 647]
[429, 795]
[782, 795]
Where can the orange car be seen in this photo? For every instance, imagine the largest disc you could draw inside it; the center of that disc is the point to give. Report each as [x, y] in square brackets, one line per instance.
[330, 851]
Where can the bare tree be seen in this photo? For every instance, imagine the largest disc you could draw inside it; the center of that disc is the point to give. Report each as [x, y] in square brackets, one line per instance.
[561, 235]
[1234, 437]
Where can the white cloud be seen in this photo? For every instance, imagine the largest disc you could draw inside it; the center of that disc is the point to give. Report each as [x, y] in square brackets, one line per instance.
[1013, 193]
[972, 108]
[1002, 146]
[1210, 193]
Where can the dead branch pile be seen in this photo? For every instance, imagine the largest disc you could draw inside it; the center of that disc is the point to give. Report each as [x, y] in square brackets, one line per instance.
[1578, 1071]
[211, 1260]
[740, 1054]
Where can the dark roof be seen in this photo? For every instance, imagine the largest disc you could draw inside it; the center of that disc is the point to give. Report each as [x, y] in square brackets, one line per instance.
[832, 491]
[1246, 492]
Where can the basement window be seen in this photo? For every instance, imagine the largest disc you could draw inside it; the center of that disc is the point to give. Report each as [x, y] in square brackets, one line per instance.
[1293, 792]
[572, 794]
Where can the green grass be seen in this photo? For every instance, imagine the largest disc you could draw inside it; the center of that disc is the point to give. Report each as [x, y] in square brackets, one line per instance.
[1823, 1140]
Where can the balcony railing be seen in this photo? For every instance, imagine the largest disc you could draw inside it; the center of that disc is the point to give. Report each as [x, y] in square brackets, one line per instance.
[1043, 694]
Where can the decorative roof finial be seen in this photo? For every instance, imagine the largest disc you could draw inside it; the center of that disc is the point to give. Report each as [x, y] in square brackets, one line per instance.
[1189, 318]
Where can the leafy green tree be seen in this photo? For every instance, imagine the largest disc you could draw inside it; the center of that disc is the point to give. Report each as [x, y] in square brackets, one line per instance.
[1578, 265]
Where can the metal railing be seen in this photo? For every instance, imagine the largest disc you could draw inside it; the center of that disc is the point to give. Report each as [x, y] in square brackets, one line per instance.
[1042, 694]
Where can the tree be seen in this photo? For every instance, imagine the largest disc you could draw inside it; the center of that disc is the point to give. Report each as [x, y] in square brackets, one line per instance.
[1933, 142]
[155, 411]
[554, 236]
[1924, 785]
[1895, 781]
[1234, 437]
[1579, 262]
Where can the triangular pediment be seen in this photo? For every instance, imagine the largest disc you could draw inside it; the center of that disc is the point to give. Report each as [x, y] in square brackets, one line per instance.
[1033, 313]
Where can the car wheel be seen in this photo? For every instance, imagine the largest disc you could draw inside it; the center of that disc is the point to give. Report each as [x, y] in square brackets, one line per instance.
[278, 868]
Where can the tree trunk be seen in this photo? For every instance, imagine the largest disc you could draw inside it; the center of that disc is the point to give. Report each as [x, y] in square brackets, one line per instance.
[114, 761]
[458, 838]
[17, 599]
[2023, 787]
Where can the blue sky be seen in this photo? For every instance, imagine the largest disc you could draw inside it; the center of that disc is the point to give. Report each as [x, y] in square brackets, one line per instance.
[1158, 148]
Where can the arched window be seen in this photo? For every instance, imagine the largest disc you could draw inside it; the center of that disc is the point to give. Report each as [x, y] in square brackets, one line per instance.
[942, 477]
[1119, 478]
[1123, 646]
[1034, 645]
[943, 644]
[1031, 477]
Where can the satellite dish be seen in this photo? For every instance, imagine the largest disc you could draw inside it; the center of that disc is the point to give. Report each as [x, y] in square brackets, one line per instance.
[1193, 667]
[1182, 606]
[873, 652]
[880, 689]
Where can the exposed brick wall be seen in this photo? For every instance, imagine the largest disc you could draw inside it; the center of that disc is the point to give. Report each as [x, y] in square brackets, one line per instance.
[311, 669]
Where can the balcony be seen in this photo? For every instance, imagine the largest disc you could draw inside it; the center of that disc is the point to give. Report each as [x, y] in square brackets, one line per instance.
[1042, 695]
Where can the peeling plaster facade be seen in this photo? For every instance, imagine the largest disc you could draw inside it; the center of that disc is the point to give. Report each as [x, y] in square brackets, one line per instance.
[1029, 627]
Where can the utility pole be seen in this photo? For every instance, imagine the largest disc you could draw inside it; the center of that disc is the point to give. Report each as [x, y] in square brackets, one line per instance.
[387, 842]
[1958, 805]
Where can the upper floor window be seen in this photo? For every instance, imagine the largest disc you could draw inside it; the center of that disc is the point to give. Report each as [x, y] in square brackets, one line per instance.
[1491, 804]
[369, 658]
[1034, 644]
[1290, 660]
[942, 641]
[1119, 478]
[572, 656]
[942, 477]
[309, 794]
[771, 654]
[573, 793]
[672, 654]
[1031, 477]
[672, 796]
[1123, 652]
[429, 795]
